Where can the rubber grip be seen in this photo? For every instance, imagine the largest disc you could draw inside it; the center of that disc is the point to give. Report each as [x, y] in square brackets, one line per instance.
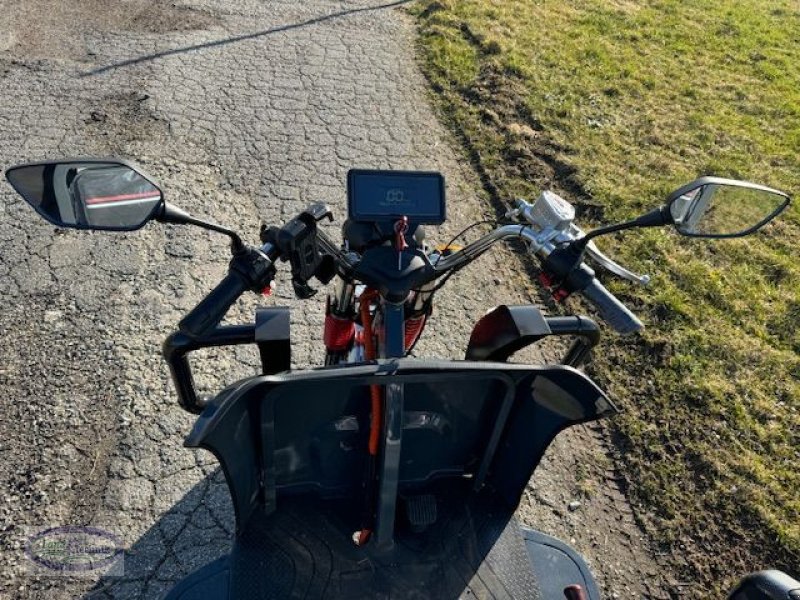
[209, 312]
[614, 312]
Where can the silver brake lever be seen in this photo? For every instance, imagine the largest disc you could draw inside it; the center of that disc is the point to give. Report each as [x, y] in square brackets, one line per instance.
[608, 264]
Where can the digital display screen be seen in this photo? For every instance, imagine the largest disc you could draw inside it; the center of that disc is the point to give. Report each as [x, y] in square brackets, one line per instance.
[379, 195]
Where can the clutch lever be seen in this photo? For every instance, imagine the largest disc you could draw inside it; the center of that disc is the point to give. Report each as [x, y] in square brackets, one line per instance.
[607, 263]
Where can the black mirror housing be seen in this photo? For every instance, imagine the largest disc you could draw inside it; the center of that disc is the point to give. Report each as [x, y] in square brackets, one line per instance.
[108, 194]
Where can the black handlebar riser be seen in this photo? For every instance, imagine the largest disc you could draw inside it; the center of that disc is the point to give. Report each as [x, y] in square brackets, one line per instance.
[177, 347]
[250, 269]
[211, 309]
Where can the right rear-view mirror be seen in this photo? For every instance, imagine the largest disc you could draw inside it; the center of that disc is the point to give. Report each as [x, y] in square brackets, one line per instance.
[718, 208]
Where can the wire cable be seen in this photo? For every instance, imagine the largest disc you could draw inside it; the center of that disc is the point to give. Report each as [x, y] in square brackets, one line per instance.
[462, 233]
[428, 306]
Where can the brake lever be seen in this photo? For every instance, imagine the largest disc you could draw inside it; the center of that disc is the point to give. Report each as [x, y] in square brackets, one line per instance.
[553, 217]
[607, 263]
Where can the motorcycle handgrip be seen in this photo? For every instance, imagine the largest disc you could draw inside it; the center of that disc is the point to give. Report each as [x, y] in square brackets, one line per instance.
[614, 312]
[209, 312]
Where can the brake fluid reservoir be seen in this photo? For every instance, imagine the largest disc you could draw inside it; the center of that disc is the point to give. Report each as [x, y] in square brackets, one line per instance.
[551, 210]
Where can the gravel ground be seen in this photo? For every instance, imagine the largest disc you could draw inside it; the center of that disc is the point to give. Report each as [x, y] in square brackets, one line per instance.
[246, 112]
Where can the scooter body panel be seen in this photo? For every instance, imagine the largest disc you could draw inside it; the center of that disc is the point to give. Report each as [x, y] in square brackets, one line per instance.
[292, 449]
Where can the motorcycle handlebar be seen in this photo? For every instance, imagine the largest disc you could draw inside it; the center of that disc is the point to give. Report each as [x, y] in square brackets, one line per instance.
[614, 312]
[250, 269]
[211, 309]
[258, 264]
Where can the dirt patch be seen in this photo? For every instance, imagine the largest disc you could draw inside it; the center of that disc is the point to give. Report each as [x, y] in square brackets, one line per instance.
[119, 120]
[510, 129]
[55, 29]
[708, 555]
[158, 18]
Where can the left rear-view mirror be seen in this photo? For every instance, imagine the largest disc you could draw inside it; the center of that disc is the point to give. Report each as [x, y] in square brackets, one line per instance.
[88, 193]
[719, 208]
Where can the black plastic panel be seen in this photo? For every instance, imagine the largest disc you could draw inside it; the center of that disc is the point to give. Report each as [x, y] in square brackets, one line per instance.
[556, 566]
[306, 431]
[293, 446]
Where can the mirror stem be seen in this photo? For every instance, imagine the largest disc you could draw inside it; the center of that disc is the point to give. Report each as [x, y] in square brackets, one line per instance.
[655, 218]
[177, 216]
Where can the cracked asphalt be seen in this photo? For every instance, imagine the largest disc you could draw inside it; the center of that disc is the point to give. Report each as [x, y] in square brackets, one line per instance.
[245, 112]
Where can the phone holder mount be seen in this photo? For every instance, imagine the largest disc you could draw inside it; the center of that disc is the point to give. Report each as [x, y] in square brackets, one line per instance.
[297, 243]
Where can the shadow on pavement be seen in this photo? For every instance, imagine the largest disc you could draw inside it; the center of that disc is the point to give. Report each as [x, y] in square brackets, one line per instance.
[194, 531]
[239, 38]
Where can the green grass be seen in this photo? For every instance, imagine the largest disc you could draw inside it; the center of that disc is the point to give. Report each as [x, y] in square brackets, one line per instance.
[614, 103]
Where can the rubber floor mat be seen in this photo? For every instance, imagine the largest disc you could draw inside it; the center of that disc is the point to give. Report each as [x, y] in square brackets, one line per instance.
[304, 551]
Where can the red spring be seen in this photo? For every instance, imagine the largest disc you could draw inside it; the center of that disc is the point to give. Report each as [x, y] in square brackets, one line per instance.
[413, 329]
[339, 333]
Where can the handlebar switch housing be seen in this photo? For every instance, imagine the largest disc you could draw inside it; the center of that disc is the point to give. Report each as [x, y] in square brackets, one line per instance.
[255, 268]
[566, 273]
